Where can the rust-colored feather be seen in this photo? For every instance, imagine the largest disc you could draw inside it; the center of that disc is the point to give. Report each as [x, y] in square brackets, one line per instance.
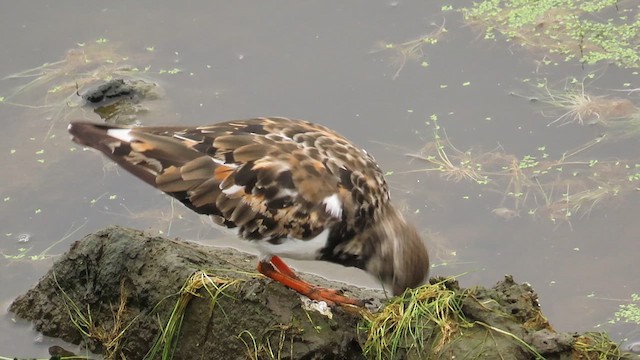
[277, 166]
[251, 152]
[201, 168]
[252, 170]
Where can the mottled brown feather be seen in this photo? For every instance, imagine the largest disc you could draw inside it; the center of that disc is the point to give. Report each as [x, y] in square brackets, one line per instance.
[201, 168]
[282, 169]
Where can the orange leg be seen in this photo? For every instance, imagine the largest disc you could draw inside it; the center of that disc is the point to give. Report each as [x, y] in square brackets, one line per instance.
[288, 278]
[283, 268]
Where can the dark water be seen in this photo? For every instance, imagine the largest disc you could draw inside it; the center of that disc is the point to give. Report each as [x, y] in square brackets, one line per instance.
[317, 61]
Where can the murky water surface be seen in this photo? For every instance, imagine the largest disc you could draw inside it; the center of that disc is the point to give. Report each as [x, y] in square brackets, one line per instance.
[329, 62]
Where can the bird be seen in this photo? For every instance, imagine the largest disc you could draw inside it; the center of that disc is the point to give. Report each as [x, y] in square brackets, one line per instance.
[293, 188]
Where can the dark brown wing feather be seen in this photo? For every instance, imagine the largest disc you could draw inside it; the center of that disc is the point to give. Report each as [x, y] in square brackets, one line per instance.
[267, 176]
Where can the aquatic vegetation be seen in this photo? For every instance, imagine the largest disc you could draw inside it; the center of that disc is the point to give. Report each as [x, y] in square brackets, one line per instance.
[545, 188]
[60, 80]
[57, 86]
[571, 29]
[411, 50]
[582, 108]
[629, 312]
[24, 253]
[460, 165]
[624, 127]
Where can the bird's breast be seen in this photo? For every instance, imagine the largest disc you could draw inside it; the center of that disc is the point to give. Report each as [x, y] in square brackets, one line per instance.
[292, 248]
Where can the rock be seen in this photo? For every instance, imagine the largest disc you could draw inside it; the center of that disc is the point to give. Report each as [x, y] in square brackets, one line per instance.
[119, 101]
[148, 273]
[117, 89]
[119, 292]
[547, 342]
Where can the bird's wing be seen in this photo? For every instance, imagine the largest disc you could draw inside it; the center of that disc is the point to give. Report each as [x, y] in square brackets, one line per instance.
[271, 177]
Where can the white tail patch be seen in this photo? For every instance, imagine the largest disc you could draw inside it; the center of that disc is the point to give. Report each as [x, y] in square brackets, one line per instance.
[232, 189]
[121, 134]
[333, 206]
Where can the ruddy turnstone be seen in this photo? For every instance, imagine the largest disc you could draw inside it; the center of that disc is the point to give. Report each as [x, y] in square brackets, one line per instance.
[293, 188]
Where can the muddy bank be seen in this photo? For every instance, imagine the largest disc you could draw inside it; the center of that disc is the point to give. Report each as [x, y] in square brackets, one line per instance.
[115, 291]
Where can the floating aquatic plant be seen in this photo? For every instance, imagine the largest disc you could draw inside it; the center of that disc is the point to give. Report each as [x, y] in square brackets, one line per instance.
[570, 29]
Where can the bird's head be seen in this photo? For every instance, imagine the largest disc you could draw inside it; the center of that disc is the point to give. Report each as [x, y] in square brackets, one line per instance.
[400, 259]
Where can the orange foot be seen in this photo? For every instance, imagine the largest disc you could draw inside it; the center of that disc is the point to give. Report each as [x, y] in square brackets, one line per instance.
[288, 278]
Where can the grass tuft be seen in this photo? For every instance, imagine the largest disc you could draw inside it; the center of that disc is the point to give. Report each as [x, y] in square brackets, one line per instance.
[108, 338]
[213, 285]
[583, 108]
[273, 343]
[411, 50]
[430, 313]
[596, 346]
